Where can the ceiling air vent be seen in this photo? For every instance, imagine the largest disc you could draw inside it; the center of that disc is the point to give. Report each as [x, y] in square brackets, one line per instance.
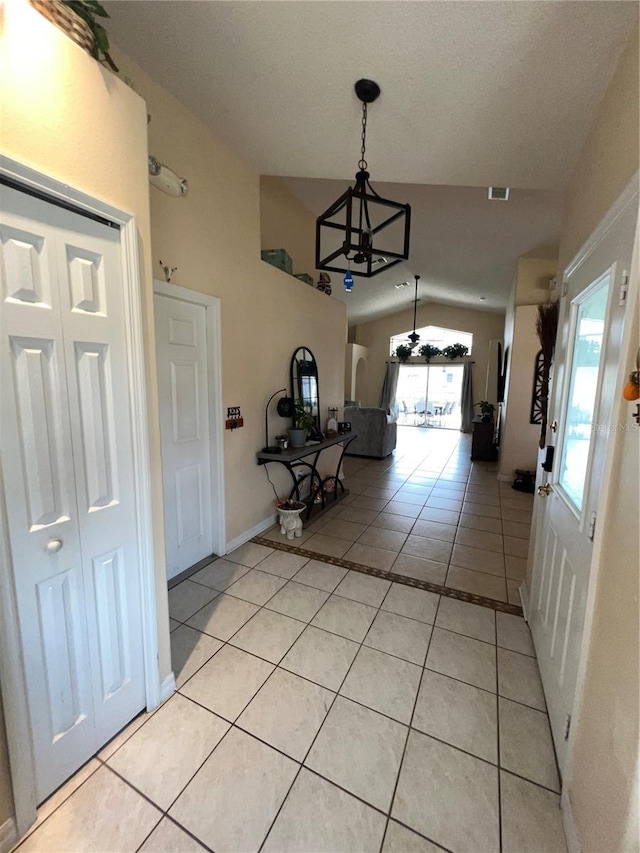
[498, 193]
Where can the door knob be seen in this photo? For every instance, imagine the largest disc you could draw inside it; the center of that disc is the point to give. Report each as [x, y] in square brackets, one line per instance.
[544, 490]
[53, 546]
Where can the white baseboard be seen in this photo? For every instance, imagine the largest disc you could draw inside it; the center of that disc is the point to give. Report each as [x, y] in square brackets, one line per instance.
[249, 534]
[167, 687]
[524, 599]
[8, 835]
[569, 824]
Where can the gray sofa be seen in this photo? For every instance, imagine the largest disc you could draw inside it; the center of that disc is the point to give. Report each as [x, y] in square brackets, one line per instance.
[376, 432]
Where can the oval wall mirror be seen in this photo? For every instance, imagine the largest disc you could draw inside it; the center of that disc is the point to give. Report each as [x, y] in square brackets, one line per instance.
[304, 382]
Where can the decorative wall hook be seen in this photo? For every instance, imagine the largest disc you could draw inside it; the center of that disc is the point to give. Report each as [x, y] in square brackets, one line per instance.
[168, 272]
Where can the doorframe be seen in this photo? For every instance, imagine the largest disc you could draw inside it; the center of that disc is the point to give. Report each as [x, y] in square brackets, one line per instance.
[212, 306]
[627, 198]
[609, 494]
[12, 674]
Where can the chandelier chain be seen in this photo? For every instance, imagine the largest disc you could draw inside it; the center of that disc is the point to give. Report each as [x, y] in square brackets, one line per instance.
[362, 165]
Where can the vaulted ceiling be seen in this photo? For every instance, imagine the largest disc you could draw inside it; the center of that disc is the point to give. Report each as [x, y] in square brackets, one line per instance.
[473, 94]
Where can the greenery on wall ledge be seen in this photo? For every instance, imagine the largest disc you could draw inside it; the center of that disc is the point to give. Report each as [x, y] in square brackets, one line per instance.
[455, 351]
[428, 351]
[403, 352]
[89, 10]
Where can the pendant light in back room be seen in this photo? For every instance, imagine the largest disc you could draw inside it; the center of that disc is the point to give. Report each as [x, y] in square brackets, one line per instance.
[414, 337]
[362, 233]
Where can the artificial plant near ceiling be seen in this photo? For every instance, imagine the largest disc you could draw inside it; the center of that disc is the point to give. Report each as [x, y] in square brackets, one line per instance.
[89, 10]
[78, 19]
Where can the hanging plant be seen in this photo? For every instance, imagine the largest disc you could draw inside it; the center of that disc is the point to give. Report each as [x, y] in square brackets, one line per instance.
[88, 10]
[428, 351]
[455, 351]
[403, 352]
[547, 328]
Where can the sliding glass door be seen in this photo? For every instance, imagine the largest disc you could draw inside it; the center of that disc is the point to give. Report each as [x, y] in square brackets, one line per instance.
[429, 395]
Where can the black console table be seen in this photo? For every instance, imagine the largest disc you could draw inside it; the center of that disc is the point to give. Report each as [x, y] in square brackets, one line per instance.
[294, 457]
[482, 446]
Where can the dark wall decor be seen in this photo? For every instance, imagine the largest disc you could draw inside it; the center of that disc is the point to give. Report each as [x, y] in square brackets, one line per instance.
[503, 361]
[547, 328]
[304, 383]
[536, 393]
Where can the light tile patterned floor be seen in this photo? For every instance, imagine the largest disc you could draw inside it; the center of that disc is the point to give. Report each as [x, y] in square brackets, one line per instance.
[429, 513]
[321, 709]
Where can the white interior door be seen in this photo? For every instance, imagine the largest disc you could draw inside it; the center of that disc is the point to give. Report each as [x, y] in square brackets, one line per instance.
[66, 452]
[587, 354]
[181, 343]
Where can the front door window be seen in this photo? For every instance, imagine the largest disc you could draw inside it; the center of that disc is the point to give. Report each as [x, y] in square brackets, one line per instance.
[588, 322]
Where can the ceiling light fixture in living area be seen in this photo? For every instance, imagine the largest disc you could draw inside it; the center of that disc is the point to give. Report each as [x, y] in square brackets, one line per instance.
[414, 337]
[361, 227]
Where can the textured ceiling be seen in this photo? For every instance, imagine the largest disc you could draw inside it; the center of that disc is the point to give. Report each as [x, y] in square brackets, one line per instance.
[473, 94]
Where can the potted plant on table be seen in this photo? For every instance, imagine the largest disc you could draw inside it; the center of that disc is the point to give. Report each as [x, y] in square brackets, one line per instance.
[303, 424]
[486, 410]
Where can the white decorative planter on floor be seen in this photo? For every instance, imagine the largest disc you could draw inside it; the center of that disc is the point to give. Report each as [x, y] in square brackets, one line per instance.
[290, 521]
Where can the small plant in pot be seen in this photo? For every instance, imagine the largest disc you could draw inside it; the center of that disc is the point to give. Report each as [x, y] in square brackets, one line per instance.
[403, 352]
[428, 351]
[455, 351]
[486, 410]
[303, 424]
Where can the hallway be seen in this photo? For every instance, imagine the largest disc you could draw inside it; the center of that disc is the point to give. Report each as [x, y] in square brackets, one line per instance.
[321, 709]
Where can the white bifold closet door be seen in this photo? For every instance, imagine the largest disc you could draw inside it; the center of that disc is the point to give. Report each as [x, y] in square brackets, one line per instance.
[67, 463]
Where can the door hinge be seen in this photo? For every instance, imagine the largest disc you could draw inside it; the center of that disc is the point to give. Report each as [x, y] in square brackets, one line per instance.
[567, 727]
[624, 289]
[565, 286]
[592, 526]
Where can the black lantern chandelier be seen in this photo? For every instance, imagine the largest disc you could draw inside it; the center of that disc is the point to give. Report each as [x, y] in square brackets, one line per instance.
[361, 228]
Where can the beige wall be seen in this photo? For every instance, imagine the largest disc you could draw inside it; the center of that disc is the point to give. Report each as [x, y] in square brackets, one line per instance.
[532, 280]
[609, 157]
[65, 115]
[213, 236]
[285, 223]
[484, 325]
[604, 801]
[602, 782]
[355, 372]
[519, 440]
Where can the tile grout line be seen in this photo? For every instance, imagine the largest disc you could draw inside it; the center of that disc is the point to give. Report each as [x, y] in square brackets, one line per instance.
[379, 609]
[409, 729]
[337, 693]
[464, 488]
[427, 586]
[498, 743]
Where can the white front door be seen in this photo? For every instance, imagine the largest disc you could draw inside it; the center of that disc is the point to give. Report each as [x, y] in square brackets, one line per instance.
[587, 354]
[66, 454]
[183, 390]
